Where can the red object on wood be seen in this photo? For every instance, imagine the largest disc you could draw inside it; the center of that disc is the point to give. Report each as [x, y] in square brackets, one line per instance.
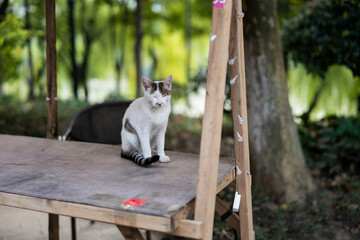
[134, 202]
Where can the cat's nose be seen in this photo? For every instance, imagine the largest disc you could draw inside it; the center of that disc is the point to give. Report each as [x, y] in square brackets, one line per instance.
[159, 104]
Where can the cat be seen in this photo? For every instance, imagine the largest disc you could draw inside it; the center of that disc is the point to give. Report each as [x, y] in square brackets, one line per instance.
[145, 122]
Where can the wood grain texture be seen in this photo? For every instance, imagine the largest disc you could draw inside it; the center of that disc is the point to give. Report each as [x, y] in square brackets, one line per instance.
[212, 121]
[51, 96]
[238, 101]
[130, 233]
[222, 207]
[91, 181]
[54, 227]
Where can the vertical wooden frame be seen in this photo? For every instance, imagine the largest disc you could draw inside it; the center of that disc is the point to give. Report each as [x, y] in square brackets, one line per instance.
[238, 102]
[212, 121]
[51, 96]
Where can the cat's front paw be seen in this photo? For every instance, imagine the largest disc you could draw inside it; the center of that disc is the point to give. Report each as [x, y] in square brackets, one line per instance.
[164, 159]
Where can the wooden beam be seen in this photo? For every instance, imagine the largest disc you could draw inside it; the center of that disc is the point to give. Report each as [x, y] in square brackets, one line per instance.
[51, 96]
[149, 222]
[130, 233]
[212, 121]
[189, 229]
[239, 109]
[222, 207]
[228, 179]
[54, 227]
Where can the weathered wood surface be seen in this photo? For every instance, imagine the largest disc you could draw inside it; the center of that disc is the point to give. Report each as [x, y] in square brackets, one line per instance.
[94, 174]
[239, 109]
[51, 82]
[212, 121]
[130, 233]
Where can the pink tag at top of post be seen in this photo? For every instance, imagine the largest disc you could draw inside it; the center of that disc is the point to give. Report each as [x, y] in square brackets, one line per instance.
[219, 3]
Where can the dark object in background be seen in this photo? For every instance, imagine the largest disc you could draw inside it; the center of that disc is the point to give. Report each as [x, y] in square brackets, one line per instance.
[99, 123]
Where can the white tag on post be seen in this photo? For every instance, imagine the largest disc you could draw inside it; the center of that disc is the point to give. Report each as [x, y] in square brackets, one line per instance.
[236, 204]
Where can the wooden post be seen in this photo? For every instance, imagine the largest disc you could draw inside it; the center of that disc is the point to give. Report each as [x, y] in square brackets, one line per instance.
[53, 227]
[212, 121]
[239, 110]
[51, 96]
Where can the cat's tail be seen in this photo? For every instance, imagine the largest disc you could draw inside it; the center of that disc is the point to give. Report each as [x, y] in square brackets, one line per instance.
[138, 158]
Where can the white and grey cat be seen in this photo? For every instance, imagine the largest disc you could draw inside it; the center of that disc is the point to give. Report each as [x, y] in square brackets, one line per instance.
[144, 123]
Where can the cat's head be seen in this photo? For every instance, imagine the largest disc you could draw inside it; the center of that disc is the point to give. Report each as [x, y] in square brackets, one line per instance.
[158, 94]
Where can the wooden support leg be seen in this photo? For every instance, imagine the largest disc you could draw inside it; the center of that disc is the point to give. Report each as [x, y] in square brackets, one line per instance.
[222, 207]
[211, 127]
[73, 228]
[239, 108]
[53, 227]
[130, 233]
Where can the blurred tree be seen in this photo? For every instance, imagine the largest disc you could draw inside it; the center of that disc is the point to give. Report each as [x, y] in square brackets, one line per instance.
[322, 34]
[119, 14]
[12, 36]
[30, 54]
[3, 7]
[276, 156]
[81, 28]
[138, 44]
[39, 49]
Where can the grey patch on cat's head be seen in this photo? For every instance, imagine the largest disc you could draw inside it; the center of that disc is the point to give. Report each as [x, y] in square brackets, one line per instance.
[129, 127]
[164, 91]
[154, 87]
[164, 87]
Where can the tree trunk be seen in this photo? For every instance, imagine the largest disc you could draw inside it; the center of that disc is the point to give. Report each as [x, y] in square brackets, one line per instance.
[277, 159]
[28, 43]
[1, 81]
[138, 37]
[120, 43]
[188, 29]
[4, 5]
[83, 68]
[74, 69]
[305, 117]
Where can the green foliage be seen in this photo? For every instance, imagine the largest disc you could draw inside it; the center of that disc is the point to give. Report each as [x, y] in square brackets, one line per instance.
[12, 36]
[332, 145]
[29, 118]
[339, 91]
[324, 33]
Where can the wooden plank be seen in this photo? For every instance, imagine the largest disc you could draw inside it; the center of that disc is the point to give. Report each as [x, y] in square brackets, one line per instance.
[130, 233]
[51, 97]
[94, 174]
[95, 181]
[238, 101]
[212, 121]
[149, 222]
[225, 181]
[185, 227]
[222, 207]
[189, 229]
[54, 227]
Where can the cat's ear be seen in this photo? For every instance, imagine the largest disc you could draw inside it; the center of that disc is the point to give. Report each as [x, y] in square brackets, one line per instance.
[146, 83]
[168, 82]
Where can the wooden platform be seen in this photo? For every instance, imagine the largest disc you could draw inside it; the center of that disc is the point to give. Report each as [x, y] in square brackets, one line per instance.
[91, 181]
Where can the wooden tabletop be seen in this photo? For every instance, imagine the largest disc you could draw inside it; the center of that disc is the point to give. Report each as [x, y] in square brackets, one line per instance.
[61, 177]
